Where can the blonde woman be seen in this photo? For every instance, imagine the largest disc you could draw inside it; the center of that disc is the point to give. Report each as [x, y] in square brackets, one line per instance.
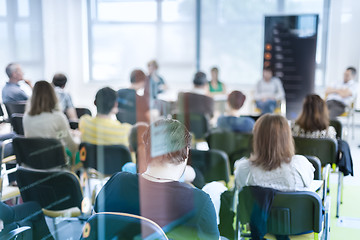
[273, 163]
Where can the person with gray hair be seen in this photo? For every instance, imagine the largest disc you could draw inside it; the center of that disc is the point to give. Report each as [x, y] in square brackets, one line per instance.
[157, 193]
[12, 91]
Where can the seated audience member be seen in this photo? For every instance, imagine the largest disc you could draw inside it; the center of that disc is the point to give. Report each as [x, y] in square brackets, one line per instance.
[215, 86]
[157, 83]
[59, 81]
[157, 193]
[268, 90]
[133, 102]
[313, 120]
[103, 129]
[197, 100]
[137, 145]
[273, 163]
[342, 95]
[26, 214]
[44, 118]
[12, 91]
[232, 121]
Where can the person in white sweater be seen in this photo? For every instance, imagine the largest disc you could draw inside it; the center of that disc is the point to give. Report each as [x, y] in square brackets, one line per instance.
[273, 163]
[44, 119]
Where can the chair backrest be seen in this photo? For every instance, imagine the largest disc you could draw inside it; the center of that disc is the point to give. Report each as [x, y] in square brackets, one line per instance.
[15, 107]
[111, 225]
[315, 161]
[291, 212]
[213, 164]
[17, 123]
[235, 145]
[106, 159]
[39, 153]
[53, 190]
[323, 148]
[82, 111]
[338, 127]
[196, 123]
[127, 106]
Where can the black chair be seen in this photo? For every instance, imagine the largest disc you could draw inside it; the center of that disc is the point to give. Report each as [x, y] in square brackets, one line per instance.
[235, 145]
[17, 123]
[39, 153]
[291, 213]
[196, 123]
[82, 111]
[15, 107]
[111, 225]
[3, 119]
[213, 164]
[106, 159]
[338, 127]
[317, 165]
[54, 190]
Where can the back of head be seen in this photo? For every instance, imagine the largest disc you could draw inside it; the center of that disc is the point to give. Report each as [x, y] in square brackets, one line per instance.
[10, 69]
[314, 115]
[153, 64]
[200, 79]
[59, 80]
[168, 138]
[43, 98]
[236, 99]
[137, 76]
[105, 100]
[273, 143]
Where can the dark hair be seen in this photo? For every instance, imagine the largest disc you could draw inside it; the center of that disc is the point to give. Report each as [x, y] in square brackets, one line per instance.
[172, 138]
[10, 69]
[105, 100]
[273, 143]
[269, 68]
[236, 99]
[200, 79]
[43, 98]
[352, 70]
[314, 115]
[137, 76]
[59, 80]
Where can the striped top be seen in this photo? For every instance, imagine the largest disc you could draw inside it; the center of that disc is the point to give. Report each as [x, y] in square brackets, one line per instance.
[103, 131]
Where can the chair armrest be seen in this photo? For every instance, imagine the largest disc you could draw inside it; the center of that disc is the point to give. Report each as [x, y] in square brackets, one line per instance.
[9, 159]
[325, 177]
[70, 212]
[13, 233]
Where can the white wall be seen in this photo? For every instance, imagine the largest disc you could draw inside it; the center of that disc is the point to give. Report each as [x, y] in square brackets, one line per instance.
[65, 44]
[343, 39]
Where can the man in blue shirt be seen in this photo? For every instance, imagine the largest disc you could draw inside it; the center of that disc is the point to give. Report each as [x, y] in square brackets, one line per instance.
[12, 91]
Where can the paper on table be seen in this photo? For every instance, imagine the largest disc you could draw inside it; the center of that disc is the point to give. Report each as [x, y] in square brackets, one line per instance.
[315, 185]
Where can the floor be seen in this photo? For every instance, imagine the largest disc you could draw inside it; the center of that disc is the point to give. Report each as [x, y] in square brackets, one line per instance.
[347, 226]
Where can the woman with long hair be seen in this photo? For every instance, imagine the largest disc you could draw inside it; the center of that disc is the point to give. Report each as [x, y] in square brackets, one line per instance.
[273, 163]
[314, 119]
[43, 117]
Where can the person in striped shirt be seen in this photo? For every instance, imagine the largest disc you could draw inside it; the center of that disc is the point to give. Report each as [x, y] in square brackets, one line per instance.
[104, 129]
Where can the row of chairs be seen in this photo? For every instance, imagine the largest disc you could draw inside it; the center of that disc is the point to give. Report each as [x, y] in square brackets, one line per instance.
[16, 110]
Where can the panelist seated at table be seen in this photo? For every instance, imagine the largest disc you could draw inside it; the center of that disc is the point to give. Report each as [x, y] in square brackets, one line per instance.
[273, 163]
[197, 100]
[268, 91]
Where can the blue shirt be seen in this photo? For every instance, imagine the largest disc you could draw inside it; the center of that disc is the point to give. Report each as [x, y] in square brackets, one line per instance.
[13, 93]
[236, 124]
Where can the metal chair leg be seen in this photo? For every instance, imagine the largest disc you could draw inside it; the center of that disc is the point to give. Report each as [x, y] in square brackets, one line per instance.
[339, 194]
